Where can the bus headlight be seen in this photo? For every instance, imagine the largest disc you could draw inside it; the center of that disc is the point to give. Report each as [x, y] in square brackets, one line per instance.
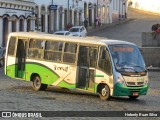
[145, 82]
[121, 80]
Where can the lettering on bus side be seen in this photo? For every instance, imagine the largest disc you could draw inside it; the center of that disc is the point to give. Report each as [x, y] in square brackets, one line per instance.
[61, 68]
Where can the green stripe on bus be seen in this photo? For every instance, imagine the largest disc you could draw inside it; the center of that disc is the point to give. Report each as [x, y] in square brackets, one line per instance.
[47, 75]
[67, 85]
[99, 75]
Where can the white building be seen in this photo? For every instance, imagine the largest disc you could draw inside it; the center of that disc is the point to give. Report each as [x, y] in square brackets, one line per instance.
[15, 15]
[52, 15]
[119, 10]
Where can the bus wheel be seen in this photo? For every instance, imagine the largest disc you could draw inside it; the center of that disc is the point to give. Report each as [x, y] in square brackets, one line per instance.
[133, 97]
[37, 85]
[104, 92]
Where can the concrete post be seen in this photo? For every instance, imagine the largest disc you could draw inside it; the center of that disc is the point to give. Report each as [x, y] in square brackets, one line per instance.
[72, 17]
[110, 12]
[52, 21]
[9, 26]
[1, 29]
[63, 27]
[57, 20]
[39, 20]
[46, 21]
[25, 25]
[93, 17]
[32, 23]
[17, 27]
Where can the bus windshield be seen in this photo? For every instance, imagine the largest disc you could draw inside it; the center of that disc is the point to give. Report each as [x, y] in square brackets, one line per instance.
[127, 58]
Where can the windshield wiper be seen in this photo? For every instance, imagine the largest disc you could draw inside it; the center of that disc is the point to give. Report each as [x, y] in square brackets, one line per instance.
[141, 68]
[129, 68]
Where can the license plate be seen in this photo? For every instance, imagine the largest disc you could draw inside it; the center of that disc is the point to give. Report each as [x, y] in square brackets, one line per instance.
[135, 94]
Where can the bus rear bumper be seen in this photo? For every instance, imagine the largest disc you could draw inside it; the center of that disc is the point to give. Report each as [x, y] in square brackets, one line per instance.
[121, 90]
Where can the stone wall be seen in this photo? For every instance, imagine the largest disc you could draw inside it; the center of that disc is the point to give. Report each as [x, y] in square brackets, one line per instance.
[151, 56]
[150, 39]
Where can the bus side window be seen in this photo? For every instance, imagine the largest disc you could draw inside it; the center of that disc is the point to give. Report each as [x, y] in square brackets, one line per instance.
[53, 50]
[93, 54]
[36, 48]
[11, 47]
[104, 61]
[70, 52]
[83, 56]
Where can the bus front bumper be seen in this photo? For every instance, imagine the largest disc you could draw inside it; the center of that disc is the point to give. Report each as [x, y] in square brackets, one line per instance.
[122, 90]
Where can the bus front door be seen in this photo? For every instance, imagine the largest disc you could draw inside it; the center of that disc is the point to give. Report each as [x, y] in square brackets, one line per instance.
[20, 59]
[85, 72]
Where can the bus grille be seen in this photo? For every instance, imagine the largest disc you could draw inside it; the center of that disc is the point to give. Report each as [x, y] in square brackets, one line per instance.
[134, 90]
[135, 83]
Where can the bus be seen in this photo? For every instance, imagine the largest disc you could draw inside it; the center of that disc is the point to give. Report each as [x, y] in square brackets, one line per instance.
[91, 64]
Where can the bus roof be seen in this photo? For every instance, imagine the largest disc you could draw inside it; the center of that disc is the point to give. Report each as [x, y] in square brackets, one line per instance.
[87, 40]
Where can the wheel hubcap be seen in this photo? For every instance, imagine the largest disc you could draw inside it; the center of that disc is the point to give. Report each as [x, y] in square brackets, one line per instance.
[37, 83]
[104, 92]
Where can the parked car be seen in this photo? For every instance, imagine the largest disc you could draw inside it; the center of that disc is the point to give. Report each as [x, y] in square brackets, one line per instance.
[65, 33]
[78, 31]
[2, 54]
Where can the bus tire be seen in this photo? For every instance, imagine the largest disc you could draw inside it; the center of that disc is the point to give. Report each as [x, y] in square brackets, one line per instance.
[133, 97]
[104, 92]
[37, 85]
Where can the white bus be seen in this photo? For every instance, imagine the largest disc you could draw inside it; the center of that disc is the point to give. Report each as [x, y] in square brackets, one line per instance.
[92, 64]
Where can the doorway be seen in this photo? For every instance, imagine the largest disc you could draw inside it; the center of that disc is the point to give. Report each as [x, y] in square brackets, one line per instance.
[87, 61]
[20, 58]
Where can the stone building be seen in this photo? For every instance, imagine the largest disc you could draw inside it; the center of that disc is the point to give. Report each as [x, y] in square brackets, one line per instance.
[53, 15]
[15, 15]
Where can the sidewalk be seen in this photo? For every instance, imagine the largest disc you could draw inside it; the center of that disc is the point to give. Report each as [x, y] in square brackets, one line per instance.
[103, 26]
[144, 11]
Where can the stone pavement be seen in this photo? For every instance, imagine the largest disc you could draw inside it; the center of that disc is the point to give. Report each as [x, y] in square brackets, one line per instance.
[132, 15]
[103, 26]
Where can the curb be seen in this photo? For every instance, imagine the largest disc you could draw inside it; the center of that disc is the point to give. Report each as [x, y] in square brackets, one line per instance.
[154, 69]
[102, 27]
